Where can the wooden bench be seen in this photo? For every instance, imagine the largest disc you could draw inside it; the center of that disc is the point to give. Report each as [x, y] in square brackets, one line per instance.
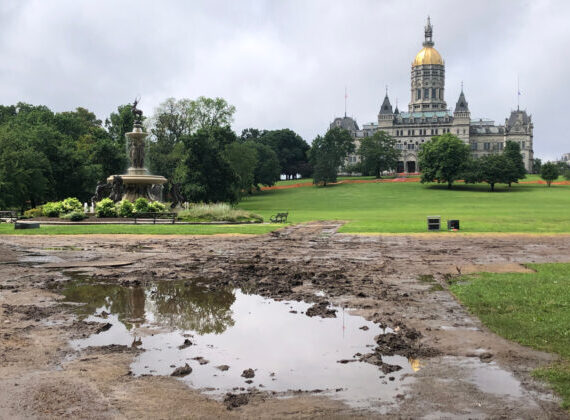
[279, 218]
[154, 216]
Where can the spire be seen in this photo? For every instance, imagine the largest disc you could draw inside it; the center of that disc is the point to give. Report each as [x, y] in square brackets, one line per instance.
[461, 105]
[396, 111]
[428, 31]
[386, 107]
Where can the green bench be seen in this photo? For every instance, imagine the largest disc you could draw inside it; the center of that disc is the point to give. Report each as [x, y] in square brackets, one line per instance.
[154, 216]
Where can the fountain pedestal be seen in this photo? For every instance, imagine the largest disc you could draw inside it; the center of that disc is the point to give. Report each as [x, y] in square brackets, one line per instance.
[138, 182]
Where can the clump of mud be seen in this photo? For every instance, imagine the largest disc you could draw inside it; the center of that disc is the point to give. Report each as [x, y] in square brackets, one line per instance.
[182, 371]
[321, 309]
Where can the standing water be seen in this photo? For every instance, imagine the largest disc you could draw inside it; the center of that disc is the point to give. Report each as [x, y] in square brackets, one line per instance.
[222, 332]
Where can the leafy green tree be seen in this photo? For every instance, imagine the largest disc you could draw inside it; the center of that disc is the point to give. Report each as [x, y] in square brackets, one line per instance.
[290, 148]
[536, 164]
[328, 153]
[204, 174]
[243, 159]
[119, 123]
[516, 168]
[213, 112]
[251, 134]
[24, 171]
[495, 169]
[472, 172]
[267, 171]
[443, 159]
[549, 172]
[378, 153]
[175, 119]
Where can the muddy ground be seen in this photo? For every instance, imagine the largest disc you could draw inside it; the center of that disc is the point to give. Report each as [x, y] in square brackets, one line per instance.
[41, 376]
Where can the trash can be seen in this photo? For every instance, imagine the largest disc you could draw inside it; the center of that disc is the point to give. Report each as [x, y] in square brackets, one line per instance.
[434, 222]
[453, 225]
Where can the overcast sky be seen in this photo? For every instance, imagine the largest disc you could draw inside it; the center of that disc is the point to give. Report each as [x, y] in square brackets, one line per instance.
[285, 64]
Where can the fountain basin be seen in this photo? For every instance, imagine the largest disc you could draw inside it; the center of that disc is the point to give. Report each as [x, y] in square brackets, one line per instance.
[140, 179]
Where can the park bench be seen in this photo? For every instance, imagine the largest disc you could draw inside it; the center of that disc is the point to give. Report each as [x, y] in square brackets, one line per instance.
[8, 216]
[154, 216]
[279, 218]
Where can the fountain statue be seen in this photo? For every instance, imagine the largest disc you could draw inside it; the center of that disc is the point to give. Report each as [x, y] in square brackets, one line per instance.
[137, 182]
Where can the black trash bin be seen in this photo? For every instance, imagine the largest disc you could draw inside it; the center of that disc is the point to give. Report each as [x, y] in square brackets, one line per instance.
[453, 225]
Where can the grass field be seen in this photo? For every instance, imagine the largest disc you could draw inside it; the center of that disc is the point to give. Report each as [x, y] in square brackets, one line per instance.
[402, 207]
[253, 229]
[531, 309]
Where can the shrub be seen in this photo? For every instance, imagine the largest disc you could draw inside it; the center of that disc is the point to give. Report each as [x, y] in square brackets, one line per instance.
[156, 207]
[106, 208]
[221, 212]
[35, 212]
[74, 216]
[52, 209]
[71, 204]
[566, 174]
[141, 205]
[125, 208]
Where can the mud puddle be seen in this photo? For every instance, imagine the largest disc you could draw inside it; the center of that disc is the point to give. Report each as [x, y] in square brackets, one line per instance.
[228, 341]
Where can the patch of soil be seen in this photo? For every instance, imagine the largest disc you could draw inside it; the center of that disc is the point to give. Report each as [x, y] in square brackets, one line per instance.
[375, 276]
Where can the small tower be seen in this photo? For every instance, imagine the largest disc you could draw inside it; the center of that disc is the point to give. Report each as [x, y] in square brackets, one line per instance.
[386, 115]
[461, 118]
[428, 77]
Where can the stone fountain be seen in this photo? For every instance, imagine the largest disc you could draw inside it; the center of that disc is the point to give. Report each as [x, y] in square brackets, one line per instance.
[138, 181]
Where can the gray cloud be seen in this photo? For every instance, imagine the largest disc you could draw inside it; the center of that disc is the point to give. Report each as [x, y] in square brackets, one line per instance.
[286, 63]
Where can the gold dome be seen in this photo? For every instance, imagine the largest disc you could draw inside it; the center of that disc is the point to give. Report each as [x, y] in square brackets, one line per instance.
[427, 55]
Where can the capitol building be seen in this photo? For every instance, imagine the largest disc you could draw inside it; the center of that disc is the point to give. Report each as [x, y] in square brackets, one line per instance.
[428, 115]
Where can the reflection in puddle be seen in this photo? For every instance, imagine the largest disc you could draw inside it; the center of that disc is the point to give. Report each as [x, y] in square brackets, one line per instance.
[286, 349]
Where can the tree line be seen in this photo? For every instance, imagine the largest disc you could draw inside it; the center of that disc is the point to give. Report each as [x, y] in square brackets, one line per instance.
[48, 156]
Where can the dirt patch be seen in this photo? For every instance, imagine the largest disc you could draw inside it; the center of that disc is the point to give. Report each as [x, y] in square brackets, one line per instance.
[377, 277]
[489, 268]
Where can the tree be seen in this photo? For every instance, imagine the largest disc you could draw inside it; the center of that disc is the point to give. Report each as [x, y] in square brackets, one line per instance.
[549, 172]
[174, 119]
[443, 159]
[213, 112]
[251, 134]
[516, 163]
[378, 153]
[119, 123]
[24, 172]
[243, 159]
[204, 174]
[536, 164]
[328, 153]
[290, 148]
[267, 171]
[495, 169]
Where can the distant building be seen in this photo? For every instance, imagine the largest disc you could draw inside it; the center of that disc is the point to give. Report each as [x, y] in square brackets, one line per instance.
[565, 158]
[428, 115]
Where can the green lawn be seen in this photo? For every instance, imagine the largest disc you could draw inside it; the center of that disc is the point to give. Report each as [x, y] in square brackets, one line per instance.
[531, 309]
[402, 207]
[254, 229]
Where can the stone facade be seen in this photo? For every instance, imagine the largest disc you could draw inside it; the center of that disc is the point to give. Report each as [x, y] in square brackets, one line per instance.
[428, 115]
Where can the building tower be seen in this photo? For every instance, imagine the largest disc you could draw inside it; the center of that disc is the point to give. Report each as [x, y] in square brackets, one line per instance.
[386, 116]
[461, 118]
[428, 77]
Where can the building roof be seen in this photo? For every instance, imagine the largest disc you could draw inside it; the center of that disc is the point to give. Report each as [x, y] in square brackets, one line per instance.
[386, 107]
[427, 55]
[345, 122]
